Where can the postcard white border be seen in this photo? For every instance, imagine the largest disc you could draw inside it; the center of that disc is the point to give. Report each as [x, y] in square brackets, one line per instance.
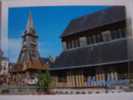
[25, 3]
[112, 96]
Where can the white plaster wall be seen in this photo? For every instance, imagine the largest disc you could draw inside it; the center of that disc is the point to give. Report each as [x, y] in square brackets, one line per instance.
[4, 67]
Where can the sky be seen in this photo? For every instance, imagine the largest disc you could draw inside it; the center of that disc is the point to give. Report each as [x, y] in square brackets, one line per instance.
[49, 22]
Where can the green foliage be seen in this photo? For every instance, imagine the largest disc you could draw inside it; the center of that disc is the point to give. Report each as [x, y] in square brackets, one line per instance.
[44, 81]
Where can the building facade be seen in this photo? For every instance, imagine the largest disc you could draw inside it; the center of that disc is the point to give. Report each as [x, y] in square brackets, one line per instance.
[4, 69]
[4, 66]
[95, 52]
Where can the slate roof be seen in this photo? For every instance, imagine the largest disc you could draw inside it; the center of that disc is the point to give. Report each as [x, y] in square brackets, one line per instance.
[37, 64]
[104, 17]
[46, 60]
[110, 52]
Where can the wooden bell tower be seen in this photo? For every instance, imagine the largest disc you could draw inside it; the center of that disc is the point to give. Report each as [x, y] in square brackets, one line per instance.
[29, 57]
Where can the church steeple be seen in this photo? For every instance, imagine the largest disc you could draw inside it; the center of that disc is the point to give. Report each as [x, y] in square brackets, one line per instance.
[30, 29]
[29, 56]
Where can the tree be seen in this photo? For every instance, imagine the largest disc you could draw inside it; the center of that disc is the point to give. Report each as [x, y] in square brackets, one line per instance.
[44, 81]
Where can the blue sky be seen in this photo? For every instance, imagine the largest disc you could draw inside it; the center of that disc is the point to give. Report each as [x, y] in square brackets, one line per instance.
[49, 22]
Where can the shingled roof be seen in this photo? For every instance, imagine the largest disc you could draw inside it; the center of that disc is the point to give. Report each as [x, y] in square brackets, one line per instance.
[30, 65]
[98, 19]
[93, 55]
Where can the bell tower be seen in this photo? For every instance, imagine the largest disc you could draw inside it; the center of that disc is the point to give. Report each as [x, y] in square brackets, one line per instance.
[29, 57]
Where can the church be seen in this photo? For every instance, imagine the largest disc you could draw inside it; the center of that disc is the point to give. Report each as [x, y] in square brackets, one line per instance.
[95, 54]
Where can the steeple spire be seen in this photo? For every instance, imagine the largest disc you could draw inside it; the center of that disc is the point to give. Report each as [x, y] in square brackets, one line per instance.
[29, 56]
[30, 26]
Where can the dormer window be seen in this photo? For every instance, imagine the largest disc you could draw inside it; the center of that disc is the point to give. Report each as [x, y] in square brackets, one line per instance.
[118, 33]
[72, 43]
[91, 39]
[114, 34]
[121, 32]
[99, 37]
[106, 35]
[94, 38]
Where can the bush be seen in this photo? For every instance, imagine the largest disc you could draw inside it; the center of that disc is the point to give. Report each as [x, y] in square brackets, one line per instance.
[44, 81]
